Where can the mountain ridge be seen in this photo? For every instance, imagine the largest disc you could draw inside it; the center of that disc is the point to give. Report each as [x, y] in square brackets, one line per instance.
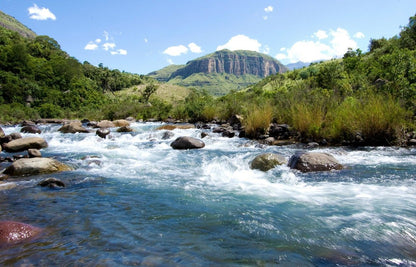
[13, 24]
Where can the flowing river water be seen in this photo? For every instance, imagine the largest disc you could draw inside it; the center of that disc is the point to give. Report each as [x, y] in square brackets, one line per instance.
[133, 200]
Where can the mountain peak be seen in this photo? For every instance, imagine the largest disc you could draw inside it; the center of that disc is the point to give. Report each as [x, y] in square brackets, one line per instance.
[240, 62]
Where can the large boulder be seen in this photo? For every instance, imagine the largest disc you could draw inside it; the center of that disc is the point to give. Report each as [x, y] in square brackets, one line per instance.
[267, 161]
[73, 127]
[314, 161]
[34, 166]
[121, 123]
[30, 129]
[14, 232]
[105, 124]
[22, 144]
[187, 142]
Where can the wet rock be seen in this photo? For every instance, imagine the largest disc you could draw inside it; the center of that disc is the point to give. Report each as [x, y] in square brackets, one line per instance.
[121, 123]
[267, 161]
[34, 166]
[228, 134]
[10, 137]
[314, 161]
[3, 177]
[73, 127]
[167, 135]
[280, 131]
[30, 129]
[411, 142]
[312, 145]
[102, 132]
[15, 232]
[236, 121]
[52, 183]
[7, 186]
[23, 144]
[125, 129]
[2, 133]
[187, 142]
[204, 134]
[171, 127]
[34, 153]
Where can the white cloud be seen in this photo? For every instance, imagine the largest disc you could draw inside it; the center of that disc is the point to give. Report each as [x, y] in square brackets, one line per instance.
[38, 13]
[194, 48]
[265, 17]
[106, 35]
[268, 9]
[109, 46]
[332, 45]
[175, 51]
[91, 46]
[145, 40]
[359, 35]
[170, 61]
[122, 52]
[266, 49]
[98, 40]
[321, 34]
[341, 41]
[241, 42]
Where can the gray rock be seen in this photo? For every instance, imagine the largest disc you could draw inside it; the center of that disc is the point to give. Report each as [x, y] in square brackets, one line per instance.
[167, 135]
[314, 161]
[187, 142]
[34, 166]
[102, 132]
[73, 127]
[52, 183]
[23, 144]
[105, 124]
[30, 129]
[34, 153]
[267, 161]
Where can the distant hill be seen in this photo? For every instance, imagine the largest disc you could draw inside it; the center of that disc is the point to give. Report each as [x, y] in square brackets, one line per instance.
[12, 24]
[221, 71]
[297, 65]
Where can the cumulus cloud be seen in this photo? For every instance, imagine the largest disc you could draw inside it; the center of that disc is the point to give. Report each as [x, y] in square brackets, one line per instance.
[175, 51]
[268, 9]
[194, 48]
[91, 46]
[321, 34]
[359, 35]
[329, 45]
[39, 13]
[241, 42]
[178, 50]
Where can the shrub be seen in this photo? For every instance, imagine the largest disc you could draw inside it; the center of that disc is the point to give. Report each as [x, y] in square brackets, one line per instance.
[257, 120]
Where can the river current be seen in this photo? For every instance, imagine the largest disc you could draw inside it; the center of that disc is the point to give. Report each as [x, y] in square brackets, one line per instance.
[133, 200]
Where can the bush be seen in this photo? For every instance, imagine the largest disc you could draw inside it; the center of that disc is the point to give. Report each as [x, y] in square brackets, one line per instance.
[257, 120]
[49, 110]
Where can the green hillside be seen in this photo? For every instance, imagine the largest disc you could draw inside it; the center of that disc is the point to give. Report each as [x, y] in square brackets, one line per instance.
[12, 24]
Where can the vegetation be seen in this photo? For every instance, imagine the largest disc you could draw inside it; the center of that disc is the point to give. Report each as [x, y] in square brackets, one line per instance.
[363, 98]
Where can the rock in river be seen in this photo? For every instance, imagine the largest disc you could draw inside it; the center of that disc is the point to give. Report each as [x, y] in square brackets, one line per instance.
[73, 127]
[25, 143]
[267, 161]
[314, 161]
[34, 166]
[187, 142]
[14, 232]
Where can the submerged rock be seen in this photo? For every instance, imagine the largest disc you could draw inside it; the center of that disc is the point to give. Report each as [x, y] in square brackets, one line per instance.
[125, 129]
[33, 166]
[314, 161]
[52, 183]
[14, 232]
[22, 144]
[187, 142]
[267, 161]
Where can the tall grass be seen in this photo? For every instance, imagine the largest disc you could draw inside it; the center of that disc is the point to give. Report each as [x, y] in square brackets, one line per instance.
[257, 120]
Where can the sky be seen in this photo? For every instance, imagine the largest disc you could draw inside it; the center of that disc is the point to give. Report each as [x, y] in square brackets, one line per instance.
[141, 36]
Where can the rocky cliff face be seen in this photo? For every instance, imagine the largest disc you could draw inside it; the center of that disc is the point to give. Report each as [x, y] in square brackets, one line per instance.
[232, 62]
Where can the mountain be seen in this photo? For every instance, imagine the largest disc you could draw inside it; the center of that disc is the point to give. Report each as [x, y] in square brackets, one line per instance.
[12, 24]
[221, 71]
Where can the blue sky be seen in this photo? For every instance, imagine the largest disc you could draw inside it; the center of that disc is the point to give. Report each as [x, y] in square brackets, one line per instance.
[141, 36]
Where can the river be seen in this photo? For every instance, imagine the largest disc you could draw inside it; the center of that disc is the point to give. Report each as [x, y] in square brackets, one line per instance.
[133, 200]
